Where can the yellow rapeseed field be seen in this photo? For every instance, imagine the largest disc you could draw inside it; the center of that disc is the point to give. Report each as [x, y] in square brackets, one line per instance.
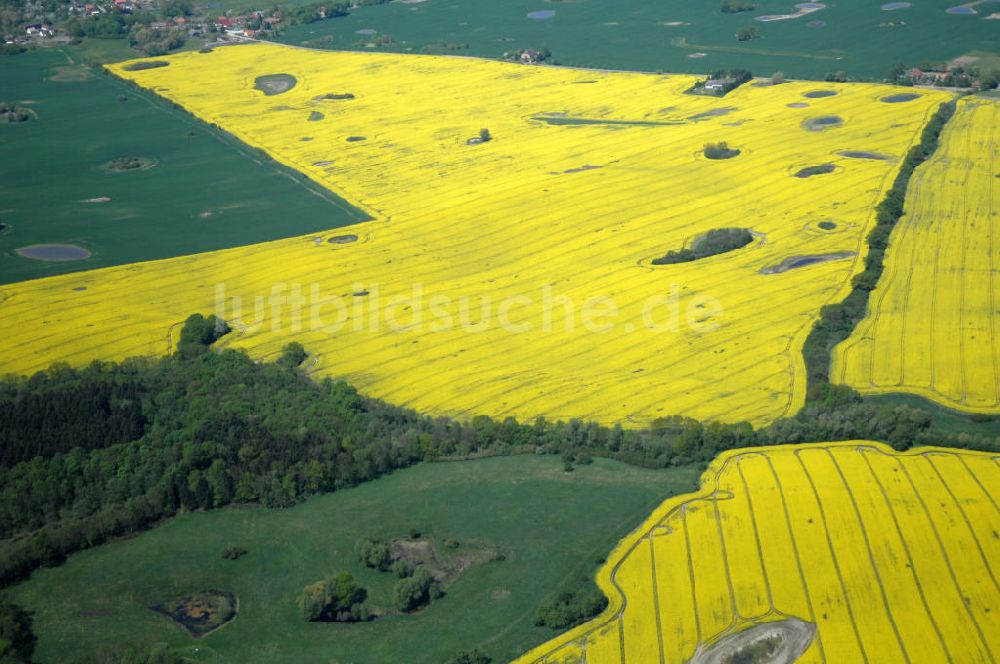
[892, 557]
[932, 323]
[511, 277]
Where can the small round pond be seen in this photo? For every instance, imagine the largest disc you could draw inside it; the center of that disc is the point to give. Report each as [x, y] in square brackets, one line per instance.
[54, 252]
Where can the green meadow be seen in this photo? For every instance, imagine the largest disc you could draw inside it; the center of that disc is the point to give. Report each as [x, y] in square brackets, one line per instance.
[552, 528]
[204, 190]
[855, 36]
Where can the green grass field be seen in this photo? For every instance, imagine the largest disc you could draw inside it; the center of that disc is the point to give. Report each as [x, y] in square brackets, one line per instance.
[649, 36]
[551, 525]
[206, 191]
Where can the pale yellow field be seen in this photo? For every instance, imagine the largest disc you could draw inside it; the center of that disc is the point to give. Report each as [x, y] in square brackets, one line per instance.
[514, 224]
[932, 322]
[892, 556]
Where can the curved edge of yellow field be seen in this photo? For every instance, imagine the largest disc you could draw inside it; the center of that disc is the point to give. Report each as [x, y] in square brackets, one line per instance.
[923, 393]
[707, 484]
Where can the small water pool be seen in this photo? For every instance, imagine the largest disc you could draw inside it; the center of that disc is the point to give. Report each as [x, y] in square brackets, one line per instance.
[54, 252]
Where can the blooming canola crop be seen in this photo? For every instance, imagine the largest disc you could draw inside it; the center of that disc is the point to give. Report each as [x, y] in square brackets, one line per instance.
[931, 328]
[868, 554]
[513, 276]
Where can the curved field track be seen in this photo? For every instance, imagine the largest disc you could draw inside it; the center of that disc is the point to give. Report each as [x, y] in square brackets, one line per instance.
[893, 557]
[503, 278]
[932, 327]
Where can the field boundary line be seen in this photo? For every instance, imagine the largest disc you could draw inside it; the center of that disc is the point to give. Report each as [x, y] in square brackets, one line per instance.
[656, 597]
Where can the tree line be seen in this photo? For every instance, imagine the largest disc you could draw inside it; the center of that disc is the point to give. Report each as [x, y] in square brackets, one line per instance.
[837, 321]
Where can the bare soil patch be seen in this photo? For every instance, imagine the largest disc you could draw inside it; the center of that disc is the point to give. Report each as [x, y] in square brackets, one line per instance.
[780, 642]
[444, 570]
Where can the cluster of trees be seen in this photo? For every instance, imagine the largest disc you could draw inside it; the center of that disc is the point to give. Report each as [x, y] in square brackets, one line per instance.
[156, 41]
[17, 641]
[715, 241]
[415, 590]
[105, 26]
[730, 80]
[13, 113]
[720, 150]
[374, 553]
[572, 608]
[416, 586]
[470, 657]
[234, 552]
[747, 33]
[339, 599]
[837, 321]
[736, 6]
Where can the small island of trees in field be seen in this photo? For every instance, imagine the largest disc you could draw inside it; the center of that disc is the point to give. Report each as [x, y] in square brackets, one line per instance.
[736, 6]
[13, 113]
[720, 150]
[716, 241]
[720, 83]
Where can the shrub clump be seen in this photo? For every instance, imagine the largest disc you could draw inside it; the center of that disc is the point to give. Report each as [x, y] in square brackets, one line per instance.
[716, 241]
[13, 113]
[736, 6]
[374, 553]
[415, 591]
[571, 608]
[200, 332]
[720, 150]
[339, 599]
[234, 552]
